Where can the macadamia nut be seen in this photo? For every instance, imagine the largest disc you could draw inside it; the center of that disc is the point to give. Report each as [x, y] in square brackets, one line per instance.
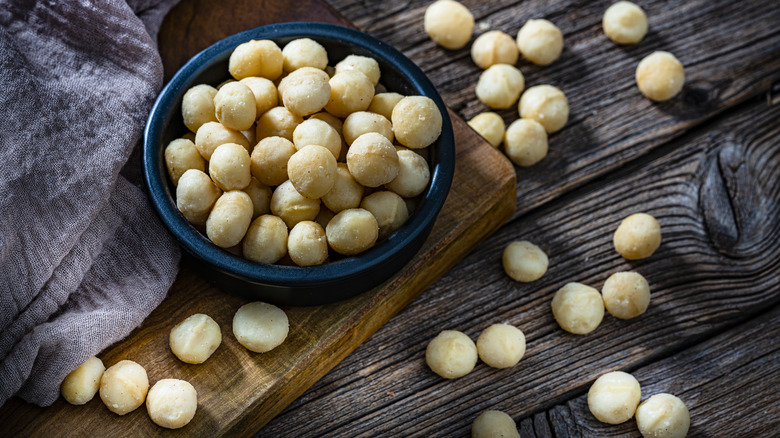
[172, 403]
[277, 122]
[81, 384]
[304, 52]
[494, 424]
[637, 236]
[266, 95]
[524, 261]
[389, 210]
[626, 294]
[352, 231]
[363, 64]
[383, 103]
[235, 106]
[500, 86]
[229, 167]
[490, 126]
[266, 239]
[449, 24]
[613, 397]
[361, 122]
[269, 160]
[197, 106]
[291, 206]
[451, 354]
[307, 244]
[660, 76]
[540, 41]
[577, 308]
[260, 327]
[181, 155]
[195, 339]
[525, 142]
[663, 416]
[494, 47]
[123, 387]
[229, 219]
[317, 132]
[195, 195]
[213, 134]
[350, 91]
[305, 91]
[256, 58]
[260, 194]
[501, 345]
[625, 23]
[346, 191]
[416, 121]
[372, 160]
[312, 171]
[413, 174]
[547, 105]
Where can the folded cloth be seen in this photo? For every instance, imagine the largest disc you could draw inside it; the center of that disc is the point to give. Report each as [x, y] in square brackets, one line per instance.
[83, 257]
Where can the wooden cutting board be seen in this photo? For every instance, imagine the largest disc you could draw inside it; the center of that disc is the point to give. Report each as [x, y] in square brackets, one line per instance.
[240, 391]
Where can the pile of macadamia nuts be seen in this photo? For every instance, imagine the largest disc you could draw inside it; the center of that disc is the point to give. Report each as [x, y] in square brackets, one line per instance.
[292, 158]
[172, 403]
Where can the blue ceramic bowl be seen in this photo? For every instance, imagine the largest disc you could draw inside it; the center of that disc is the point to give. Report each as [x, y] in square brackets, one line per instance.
[292, 285]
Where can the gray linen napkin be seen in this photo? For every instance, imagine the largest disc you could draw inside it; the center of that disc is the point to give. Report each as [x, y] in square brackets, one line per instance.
[83, 257]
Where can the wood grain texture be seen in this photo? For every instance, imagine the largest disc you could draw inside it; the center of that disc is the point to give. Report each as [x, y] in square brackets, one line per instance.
[706, 185]
[240, 391]
[730, 50]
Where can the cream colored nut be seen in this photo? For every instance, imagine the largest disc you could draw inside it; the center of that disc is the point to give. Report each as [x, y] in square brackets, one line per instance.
[540, 41]
[637, 236]
[613, 397]
[213, 134]
[331, 120]
[547, 105]
[172, 403]
[346, 192]
[317, 132]
[490, 126]
[225, 82]
[305, 91]
[269, 160]
[416, 121]
[235, 106]
[660, 76]
[413, 174]
[372, 160]
[500, 86]
[304, 52]
[363, 64]
[350, 91]
[229, 219]
[256, 58]
[291, 206]
[493, 424]
[277, 122]
[524, 261]
[195, 339]
[264, 90]
[625, 23]
[181, 155]
[123, 387]
[449, 24]
[389, 210]
[307, 244]
[352, 231]
[663, 416]
[501, 345]
[260, 194]
[451, 354]
[577, 308]
[361, 122]
[266, 239]
[229, 167]
[197, 106]
[195, 195]
[383, 103]
[312, 171]
[494, 47]
[626, 294]
[525, 142]
[260, 327]
[81, 384]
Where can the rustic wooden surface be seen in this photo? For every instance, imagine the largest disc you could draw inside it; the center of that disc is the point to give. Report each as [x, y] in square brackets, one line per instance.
[240, 391]
[706, 164]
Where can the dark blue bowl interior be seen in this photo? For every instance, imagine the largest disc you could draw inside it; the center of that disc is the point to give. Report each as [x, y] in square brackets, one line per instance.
[292, 285]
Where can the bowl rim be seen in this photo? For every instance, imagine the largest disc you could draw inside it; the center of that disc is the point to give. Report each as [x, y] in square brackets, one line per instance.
[198, 244]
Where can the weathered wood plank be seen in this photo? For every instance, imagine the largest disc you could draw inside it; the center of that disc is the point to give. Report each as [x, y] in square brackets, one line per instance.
[701, 187]
[730, 50]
